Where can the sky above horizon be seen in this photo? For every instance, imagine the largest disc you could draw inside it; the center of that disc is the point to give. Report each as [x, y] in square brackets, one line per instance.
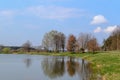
[22, 20]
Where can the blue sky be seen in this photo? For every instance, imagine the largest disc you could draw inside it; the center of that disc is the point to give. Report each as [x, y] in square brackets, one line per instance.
[22, 20]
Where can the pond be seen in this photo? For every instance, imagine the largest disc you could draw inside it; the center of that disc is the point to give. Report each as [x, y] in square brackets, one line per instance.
[37, 67]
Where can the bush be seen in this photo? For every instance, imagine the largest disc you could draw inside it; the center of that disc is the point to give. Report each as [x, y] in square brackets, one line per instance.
[6, 50]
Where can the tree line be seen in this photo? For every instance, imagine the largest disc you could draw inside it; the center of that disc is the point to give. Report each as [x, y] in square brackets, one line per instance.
[84, 42]
[57, 41]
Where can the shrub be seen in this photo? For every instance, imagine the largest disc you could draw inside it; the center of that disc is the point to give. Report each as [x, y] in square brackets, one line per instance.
[6, 50]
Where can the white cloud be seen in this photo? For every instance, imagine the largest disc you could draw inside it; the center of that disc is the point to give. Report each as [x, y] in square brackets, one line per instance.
[54, 12]
[97, 30]
[46, 12]
[110, 29]
[7, 13]
[99, 19]
[6, 17]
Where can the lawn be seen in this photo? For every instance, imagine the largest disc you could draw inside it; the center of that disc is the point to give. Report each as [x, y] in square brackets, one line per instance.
[107, 64]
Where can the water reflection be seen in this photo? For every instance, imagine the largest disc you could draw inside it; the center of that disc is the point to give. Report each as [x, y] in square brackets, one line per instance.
[71, 66]
[28, 62]
[84, 70]
[54, 67]
[36, 67]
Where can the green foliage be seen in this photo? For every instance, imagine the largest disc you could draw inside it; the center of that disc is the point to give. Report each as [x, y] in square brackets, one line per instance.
[6, 50]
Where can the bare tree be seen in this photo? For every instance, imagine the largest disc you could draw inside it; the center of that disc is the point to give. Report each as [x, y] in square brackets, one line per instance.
[50, 41]
[62, 39]
[46, 42]
[83, 39]
[93, 45]
[71, 45]
[26, 46]
[54, 41]
[116, 38]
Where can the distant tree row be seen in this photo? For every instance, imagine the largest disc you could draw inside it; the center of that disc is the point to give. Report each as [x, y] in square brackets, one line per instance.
[113, 41]
[56, 41]
[26, 47]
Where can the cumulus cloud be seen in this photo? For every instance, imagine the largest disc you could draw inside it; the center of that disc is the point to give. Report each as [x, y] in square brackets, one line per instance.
[97, 30]
[110, 29]
[99, 19]
[54, 12]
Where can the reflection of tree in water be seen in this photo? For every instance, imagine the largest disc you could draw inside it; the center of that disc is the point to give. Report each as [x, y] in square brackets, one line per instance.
[71, 66]
[84, 70]
[53, 67]
[27, 62]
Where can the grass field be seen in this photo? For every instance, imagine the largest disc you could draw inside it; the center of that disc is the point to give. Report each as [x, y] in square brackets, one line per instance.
[107, 64]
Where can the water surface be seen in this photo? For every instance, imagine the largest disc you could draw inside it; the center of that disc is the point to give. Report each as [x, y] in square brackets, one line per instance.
[36, 67]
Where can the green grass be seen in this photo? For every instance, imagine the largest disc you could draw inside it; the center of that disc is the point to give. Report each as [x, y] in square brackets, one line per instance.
[107, 64]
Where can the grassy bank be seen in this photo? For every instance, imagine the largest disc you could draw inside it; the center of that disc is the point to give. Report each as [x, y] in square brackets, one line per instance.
[107, 64]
